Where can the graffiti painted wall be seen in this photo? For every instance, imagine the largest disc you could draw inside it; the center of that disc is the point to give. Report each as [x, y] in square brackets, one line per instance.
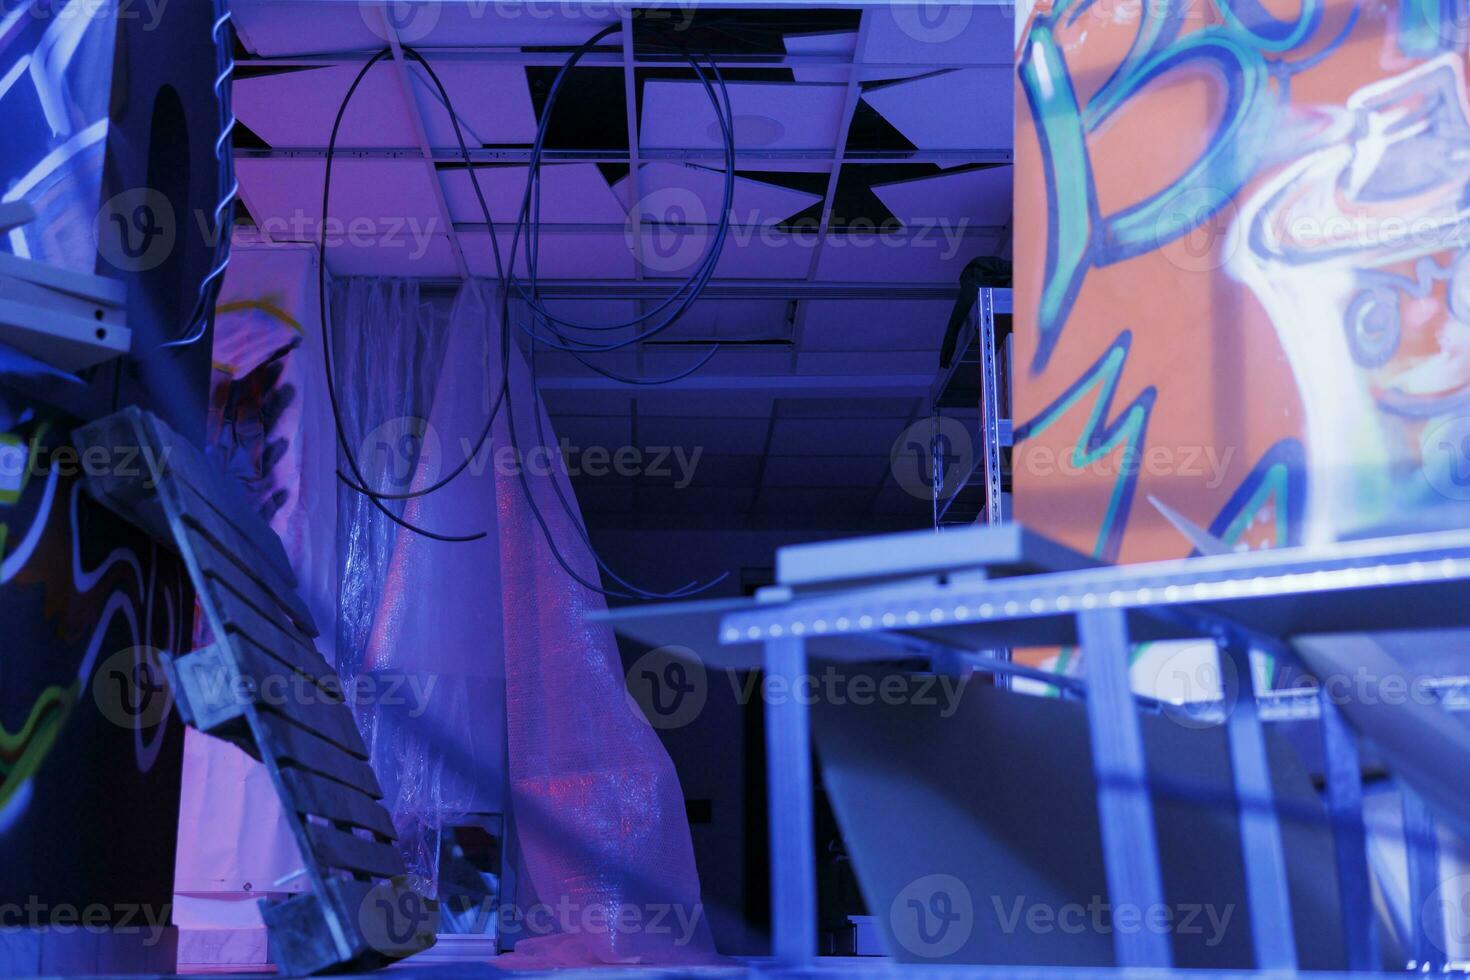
[1244, 283]
[89, 751]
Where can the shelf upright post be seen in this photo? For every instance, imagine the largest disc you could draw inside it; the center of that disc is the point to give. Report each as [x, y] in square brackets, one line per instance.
[1344, 774]
[1426, 916]
[1267, 891]
[990, 428]
[789, 801]
[1124, 808]
[989, 406]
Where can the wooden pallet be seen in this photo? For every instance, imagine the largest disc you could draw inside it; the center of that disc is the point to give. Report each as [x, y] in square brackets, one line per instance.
[263, 685]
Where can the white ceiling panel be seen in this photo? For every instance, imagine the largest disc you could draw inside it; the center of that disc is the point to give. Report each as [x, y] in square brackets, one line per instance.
[734, 321]
[584, 431]
[980, 197]
[838, 46]
[675, 253]
[830, 506]
[563, 402]
[391, 201]
[493, 102]
[768, 115]
[836, 471]
[723, 404]
[956, 110]
[432, 259]
[694, 195]
[509, 23]
[693, 499]
[854, 325]
[570, 193]
[564, 255]
[741, 436]
[378, 116]
[835, 437]
[880, 258]
[278, 29]
[877, 363]
[928, 33]
[664, 362]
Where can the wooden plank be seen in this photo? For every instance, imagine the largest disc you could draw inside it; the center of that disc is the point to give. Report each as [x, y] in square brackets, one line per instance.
[340, 849]
[185, 462]
[291, 744]
[308, 793]
[198, 513]
[260, 661]
[214, 555]
[239, 616]
[303, 703]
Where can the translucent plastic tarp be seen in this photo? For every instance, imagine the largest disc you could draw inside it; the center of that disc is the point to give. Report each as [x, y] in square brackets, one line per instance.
[607, 866]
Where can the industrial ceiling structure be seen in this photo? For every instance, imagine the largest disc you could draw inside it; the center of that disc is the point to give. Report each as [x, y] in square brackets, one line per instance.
[874, 149]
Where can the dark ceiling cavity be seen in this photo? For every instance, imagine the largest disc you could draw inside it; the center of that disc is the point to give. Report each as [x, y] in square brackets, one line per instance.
[591, 111]
[733, 32]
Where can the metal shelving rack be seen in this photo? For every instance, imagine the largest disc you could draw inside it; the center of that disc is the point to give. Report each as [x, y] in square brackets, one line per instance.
[982, 589]
[973, 380]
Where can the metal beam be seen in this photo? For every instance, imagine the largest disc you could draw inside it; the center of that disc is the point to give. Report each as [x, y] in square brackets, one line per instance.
[516, 56]
[799, 233]
[733, 289]
[704, 155]
[789, 800]
[1267, 888]
[844, 129]
[635, 175]
[1125, 809]
[420, 131]
[611, 7]
[782, 386]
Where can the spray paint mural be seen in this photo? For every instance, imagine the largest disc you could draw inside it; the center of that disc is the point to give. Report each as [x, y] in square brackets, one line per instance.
[1255, 309]
[1252, 225]
[87, 602]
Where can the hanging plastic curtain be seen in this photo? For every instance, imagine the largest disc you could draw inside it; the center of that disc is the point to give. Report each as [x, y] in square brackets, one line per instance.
[420, 619]
[497, 635]
[609, 865]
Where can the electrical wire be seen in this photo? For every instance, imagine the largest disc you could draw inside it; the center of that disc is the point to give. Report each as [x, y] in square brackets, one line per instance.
[696, 283]
[222, 33]
[326, 329]
[528, 226]
[361, 485]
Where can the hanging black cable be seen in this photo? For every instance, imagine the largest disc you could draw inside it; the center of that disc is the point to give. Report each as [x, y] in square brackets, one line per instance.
[528, 222]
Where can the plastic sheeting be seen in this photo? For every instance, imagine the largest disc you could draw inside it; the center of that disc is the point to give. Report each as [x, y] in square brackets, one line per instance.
[607, 867]
[420, 620]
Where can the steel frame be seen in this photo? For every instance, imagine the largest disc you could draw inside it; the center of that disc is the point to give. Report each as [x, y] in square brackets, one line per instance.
[1388, 584]
[994, 431]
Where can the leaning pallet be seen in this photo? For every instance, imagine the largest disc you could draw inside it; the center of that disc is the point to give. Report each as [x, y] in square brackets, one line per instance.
[263, 685]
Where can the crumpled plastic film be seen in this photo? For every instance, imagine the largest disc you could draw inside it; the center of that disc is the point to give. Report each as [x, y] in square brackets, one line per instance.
[498, 632]
[420, 643]
[599, 812]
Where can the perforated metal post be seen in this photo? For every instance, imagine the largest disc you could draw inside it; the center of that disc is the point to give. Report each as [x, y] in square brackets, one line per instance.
[990, 430]
[1125, 812]
[989, 407]
[1267, 891]
[789, 802]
